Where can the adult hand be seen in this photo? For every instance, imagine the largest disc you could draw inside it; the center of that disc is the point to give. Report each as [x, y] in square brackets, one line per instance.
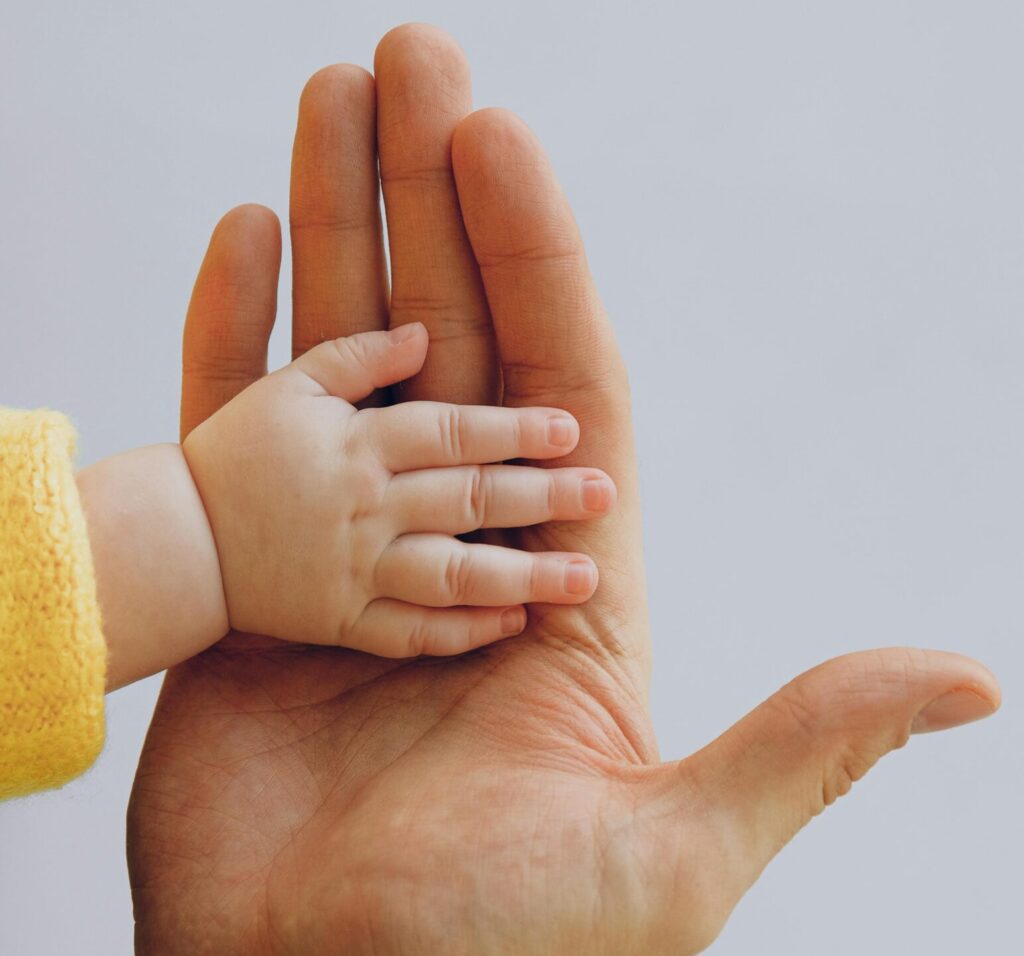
[310, 800]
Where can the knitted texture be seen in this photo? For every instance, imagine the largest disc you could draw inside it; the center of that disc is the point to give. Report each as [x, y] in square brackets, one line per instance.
[52, 653]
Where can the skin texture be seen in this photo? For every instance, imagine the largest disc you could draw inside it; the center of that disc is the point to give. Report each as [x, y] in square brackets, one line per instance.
[310, 800]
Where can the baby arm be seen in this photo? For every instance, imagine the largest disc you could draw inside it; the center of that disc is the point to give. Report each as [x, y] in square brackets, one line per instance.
[155, 561]
[292, 514]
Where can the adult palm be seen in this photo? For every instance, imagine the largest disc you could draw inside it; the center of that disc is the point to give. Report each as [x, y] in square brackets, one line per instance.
[308, 800]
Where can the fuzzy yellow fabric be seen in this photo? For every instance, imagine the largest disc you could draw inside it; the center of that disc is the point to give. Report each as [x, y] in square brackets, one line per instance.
[52, 654]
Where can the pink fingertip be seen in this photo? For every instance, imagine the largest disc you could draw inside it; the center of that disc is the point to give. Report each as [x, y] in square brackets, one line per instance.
[513, 620]
[404, 333]
[580, 577]
[597, 495]
[561, 431]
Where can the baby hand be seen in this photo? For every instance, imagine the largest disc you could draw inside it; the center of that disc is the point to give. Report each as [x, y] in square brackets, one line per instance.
[336, 526]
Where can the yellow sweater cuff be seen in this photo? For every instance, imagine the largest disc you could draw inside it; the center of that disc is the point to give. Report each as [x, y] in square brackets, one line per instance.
[52, 653]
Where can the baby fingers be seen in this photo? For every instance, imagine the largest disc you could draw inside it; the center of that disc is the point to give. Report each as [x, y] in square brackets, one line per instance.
[390, 628]
[463, 499]
[440, 571]
[433, 435]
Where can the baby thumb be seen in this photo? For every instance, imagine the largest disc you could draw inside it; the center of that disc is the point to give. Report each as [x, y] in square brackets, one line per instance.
[353, 366]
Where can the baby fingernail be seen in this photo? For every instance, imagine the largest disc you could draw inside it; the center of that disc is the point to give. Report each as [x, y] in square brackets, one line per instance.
[405, 332]
[512, 621]
[595, 494]
[579, 577]
[561, 431]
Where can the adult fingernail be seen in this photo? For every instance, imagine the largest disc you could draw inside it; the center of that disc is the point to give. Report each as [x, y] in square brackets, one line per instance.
[951, 710]
[513, 621]
[579, 577]
[561, 431]
[596, 494]
[405, 332]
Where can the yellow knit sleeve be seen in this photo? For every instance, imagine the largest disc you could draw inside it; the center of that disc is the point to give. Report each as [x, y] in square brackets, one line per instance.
[52, 653]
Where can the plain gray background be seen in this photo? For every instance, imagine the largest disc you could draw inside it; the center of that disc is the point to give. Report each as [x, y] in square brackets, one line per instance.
[807, 221]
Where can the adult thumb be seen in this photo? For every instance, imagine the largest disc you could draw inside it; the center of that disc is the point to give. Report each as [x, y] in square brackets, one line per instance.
[354, 366]
[805, 746]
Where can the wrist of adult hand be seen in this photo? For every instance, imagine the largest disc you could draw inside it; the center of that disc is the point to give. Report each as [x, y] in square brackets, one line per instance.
[157, 571]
